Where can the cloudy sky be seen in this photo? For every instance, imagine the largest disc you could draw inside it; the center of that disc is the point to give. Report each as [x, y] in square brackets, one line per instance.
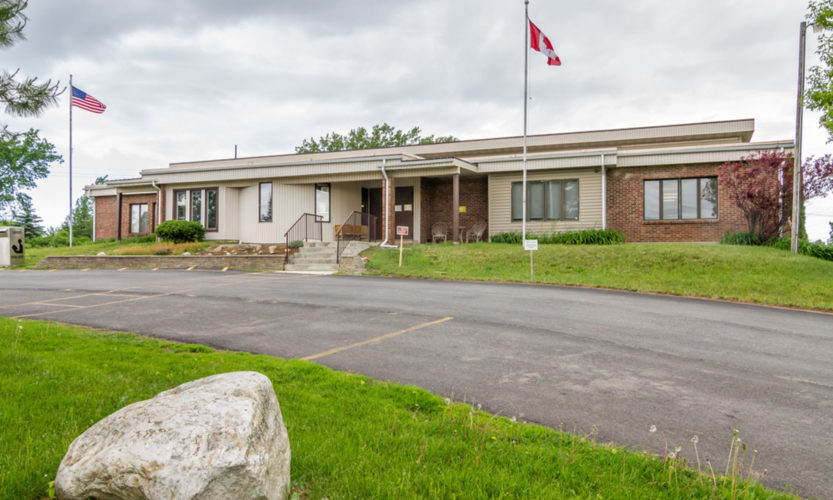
[188, 79]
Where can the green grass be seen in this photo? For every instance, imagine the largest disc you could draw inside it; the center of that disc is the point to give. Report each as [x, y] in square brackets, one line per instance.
[749, 274]
[351, 436]
[35, 255]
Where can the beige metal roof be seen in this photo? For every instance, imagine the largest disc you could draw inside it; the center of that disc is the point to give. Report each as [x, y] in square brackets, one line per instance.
[720, 131]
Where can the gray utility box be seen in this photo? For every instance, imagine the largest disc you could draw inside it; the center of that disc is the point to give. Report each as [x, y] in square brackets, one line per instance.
[11, 246]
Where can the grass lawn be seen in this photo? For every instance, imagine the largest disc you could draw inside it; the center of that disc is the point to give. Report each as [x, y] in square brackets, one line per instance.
[125, 247]
[351, 436]
[750, 274]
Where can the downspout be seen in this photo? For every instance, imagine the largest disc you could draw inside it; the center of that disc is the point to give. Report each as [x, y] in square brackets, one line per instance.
[87, 193]
[384, 244]
[604, 194]
[158, 203]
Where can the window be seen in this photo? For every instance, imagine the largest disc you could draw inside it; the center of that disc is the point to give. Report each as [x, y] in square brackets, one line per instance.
[181, 205]
[211, 209]
[322, 202]
[196, 205]
[265, 202]
[692, 198]
[139, 218]
[546, 200]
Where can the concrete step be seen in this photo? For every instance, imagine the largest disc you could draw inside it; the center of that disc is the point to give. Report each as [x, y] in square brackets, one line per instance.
[317, 251]
[312, 268]
[309, 259]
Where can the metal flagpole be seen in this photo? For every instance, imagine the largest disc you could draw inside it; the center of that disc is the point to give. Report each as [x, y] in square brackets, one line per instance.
[70, 161]
[526, 72]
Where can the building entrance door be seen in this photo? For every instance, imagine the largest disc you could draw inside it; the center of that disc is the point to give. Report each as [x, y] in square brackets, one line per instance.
[404, 209]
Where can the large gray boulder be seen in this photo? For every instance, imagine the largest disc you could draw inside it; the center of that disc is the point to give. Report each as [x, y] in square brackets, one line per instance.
[217, 437]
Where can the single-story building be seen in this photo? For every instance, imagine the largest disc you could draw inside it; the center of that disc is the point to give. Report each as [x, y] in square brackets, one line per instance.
[652, 183]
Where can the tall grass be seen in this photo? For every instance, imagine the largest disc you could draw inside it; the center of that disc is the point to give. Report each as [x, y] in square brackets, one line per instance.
[584, 237]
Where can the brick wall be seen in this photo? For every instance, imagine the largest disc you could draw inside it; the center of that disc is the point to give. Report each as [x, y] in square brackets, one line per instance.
[389, 233]
[436, 203]
[105, 217]
[131, 199]
[625, 206]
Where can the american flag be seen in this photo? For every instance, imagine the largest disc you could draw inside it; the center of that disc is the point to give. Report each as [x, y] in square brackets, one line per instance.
[83, 100]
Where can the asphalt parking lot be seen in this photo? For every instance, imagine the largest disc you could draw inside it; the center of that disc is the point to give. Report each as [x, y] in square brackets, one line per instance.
[552, 355]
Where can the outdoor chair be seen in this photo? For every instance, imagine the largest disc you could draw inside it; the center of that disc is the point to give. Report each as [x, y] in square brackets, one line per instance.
[439, 230]
[476, 232]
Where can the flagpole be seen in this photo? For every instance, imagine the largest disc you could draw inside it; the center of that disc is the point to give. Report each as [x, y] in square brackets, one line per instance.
[526, 85]
[70, 161]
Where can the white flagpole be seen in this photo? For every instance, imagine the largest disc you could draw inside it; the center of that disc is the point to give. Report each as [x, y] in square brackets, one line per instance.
[70, 161]
[526, 72]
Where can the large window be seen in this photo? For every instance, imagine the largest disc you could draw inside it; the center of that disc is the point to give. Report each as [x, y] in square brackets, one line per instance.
[322, 202]
[181, 205]
[200, 205]
[139, 218]
[670, 199]
[265, 202]
[546, 200]
[196, 205]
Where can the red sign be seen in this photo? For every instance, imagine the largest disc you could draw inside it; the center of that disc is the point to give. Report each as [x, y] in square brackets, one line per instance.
[402, 230]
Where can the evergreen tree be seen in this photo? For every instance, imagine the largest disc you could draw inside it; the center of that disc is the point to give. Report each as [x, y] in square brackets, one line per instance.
[24, 216]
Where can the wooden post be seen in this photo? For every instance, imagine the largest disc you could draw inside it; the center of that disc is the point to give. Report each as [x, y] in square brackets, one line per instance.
[401, 245]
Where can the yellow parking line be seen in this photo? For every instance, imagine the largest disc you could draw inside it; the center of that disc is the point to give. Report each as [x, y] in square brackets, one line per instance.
[122, 269]
[108, 292]
[377, 339]
[192, 267]
[224, 269]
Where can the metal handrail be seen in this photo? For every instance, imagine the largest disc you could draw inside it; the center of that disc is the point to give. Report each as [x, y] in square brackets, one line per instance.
[305, 229]
[355, 220]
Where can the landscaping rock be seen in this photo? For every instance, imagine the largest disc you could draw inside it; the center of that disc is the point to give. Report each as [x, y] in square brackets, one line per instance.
[100, 254]
[186, 254]
[217, 437]
[272, 248]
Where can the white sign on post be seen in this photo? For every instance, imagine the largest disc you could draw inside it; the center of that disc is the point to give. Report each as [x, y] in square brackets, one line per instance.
[531, 245]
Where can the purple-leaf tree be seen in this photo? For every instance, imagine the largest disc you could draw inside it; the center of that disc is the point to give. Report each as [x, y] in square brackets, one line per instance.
[761, 186]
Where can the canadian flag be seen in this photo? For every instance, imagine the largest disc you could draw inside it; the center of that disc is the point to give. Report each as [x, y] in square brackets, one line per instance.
[539, 41]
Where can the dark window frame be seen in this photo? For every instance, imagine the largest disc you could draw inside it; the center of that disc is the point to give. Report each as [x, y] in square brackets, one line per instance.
[320, 218]
[147, 223]
[176, 204]
[191, 193]
[563, 210]
[260, 217]
[216, 191]
[679, 183]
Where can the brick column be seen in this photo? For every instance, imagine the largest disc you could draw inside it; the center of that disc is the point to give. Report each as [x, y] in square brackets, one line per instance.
[455, 209]
[118, 217]
[390, 230]
[161, 203]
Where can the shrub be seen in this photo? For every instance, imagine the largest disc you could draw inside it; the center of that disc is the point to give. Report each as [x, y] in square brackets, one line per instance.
[743, 238]
[506, 238]
[180, 231]
[296, 244]
[817, 249]
[585, 237]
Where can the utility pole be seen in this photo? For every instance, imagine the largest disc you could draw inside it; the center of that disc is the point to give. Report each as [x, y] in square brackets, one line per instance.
[799, 117]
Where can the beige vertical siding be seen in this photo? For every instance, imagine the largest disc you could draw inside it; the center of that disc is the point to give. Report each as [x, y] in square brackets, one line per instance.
[228, 217]
[590, 201]
[344, 198]
[288, 203]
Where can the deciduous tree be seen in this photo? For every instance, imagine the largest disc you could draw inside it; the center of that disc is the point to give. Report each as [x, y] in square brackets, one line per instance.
[819, 94]
[379, 136]
[761, 186]
[24, 158]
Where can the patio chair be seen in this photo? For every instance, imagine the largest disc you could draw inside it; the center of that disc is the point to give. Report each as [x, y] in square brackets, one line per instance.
[439, 230]
[476, 232]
